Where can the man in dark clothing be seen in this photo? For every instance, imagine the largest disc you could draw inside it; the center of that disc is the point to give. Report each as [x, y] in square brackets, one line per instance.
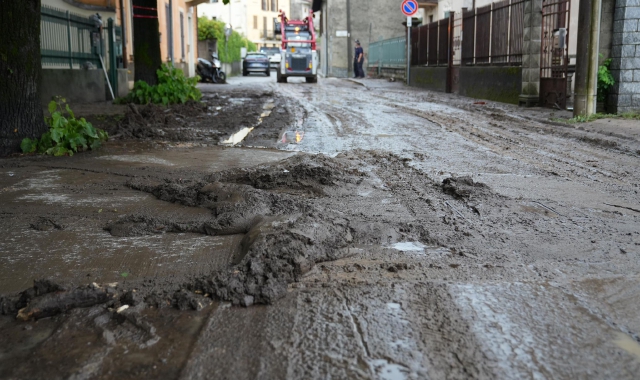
[358, 60]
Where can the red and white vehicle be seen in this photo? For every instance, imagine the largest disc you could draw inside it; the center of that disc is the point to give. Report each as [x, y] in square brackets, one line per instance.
[298, 50]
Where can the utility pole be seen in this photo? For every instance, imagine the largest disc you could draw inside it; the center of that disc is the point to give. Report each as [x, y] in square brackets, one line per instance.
[409, 19]
[587, 57]
[350, 53]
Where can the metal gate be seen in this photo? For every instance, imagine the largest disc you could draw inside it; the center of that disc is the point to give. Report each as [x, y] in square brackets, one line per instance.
[554, 54]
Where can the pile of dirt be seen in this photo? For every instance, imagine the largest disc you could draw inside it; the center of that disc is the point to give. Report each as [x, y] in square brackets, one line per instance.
[285, 232]
[213, 119]
[157, 122]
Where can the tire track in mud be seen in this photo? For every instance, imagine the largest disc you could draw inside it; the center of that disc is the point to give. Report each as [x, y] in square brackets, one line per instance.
[547, 156]
[340, 118]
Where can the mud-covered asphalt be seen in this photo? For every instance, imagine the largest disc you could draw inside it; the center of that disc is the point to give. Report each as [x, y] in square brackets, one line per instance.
[406, 235]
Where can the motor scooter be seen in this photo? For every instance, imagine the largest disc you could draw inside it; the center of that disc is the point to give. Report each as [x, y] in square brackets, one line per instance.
[211, 70]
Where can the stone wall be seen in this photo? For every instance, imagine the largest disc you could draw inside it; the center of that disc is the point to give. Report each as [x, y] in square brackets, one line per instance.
[500, 84]
[386, 72]
[625, 52]
[530, 95]
[77, 86]
[430, 78]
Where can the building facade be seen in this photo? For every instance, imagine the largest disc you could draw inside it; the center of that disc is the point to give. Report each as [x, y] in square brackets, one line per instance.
[177, 26]
[344, 21]
[254, 19]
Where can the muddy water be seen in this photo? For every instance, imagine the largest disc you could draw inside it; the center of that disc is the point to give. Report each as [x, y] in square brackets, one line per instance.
[531, 276]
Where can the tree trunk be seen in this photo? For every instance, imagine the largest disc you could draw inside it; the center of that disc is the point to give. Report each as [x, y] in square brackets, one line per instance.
[146, 41]
[20, 74]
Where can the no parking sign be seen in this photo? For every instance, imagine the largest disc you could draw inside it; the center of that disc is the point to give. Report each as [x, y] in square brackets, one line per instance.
[409, 7]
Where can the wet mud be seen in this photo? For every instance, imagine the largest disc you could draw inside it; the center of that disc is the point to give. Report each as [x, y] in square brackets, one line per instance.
[431, 238]
[210, 121]
[289, 216]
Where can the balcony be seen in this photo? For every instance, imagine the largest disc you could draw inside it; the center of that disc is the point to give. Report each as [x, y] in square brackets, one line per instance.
[95, 5]
[267, 35]
[427, 3]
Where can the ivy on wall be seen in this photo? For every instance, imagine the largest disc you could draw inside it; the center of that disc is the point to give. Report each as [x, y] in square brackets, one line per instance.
[212, 29]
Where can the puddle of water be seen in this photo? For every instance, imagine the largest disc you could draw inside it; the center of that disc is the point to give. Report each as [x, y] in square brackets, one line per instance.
[238, 100]
[625, 342]
[141, 159]
[294, 137]
[238, 136]
[413, 246]
[393, 305]
[389, 371]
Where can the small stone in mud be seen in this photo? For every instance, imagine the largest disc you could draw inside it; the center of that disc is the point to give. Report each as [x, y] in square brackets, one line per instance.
[461, 187]
[46, 224]
[185, 300]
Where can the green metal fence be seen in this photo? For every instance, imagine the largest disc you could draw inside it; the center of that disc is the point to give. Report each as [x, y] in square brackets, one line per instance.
[388, 53]
[68, 40]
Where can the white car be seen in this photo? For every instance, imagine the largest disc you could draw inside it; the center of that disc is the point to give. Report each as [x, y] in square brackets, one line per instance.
[274, 55]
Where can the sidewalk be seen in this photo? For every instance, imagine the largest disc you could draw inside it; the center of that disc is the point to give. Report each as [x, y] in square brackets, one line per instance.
[546, 115]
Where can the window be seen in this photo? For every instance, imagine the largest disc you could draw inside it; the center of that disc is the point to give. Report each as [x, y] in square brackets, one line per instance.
[274, 5]
[264, 27]
[255, 22]
[264, 5]
[169, 21]
[182, 33]
[431, 18]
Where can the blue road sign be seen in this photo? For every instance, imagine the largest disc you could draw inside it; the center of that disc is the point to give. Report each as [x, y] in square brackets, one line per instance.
[409, 7]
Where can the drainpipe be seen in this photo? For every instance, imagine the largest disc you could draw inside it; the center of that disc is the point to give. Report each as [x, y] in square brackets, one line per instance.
[170, 32]
[124, 35]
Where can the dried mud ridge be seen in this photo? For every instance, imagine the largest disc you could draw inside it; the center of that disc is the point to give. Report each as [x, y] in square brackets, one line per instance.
[292, 214]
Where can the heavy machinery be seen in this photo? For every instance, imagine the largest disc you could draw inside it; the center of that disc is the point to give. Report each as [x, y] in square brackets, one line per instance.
[298, 50]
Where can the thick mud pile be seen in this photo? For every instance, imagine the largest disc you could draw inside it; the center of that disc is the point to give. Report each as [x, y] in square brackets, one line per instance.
[285, 231]
[209, 121]
[157, 122]
[287, 217]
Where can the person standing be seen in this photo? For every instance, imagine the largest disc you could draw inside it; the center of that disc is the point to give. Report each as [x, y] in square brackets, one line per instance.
[358, 60]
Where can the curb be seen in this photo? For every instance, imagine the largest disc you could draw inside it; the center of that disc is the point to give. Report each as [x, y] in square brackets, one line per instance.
[357, 82]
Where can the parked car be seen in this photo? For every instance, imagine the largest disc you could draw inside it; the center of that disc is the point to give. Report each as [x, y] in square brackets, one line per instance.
[274, 55]
[255, 62]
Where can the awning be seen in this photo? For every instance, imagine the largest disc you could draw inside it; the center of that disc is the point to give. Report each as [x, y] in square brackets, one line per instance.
[193, 3]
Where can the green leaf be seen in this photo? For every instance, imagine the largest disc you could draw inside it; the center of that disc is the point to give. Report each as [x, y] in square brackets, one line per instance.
[52, 106]
[56, 134]
[70, 112]
[95, 144]
[28, 146]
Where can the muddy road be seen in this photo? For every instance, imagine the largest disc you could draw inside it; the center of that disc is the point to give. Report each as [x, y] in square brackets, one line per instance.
[337, 230]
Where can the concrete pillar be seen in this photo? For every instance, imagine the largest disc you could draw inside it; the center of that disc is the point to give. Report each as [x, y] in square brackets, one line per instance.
[587, 57]
[530, 95]
[625, 54]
